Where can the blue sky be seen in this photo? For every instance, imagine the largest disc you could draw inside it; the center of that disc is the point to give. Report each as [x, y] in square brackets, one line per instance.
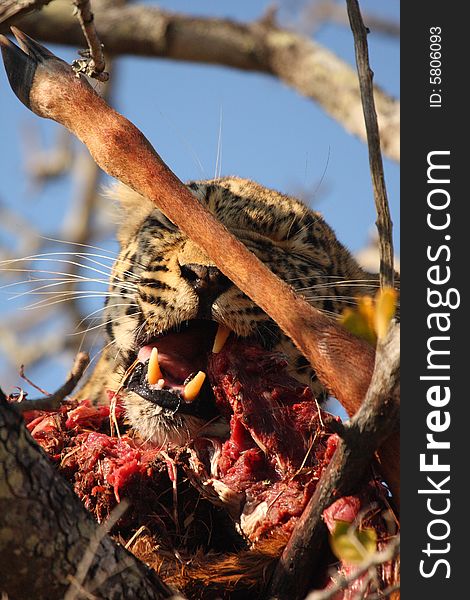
[267, 133]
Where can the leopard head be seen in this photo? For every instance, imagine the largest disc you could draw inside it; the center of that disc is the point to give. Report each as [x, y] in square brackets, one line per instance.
[165, 292]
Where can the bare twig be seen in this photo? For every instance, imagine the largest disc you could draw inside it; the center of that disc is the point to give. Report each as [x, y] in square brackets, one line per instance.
[301, 63]
[52, 402]
[384, 221]
[92, 63]
[367, 430]
[377, 559]
[388, 592]
[28, 380]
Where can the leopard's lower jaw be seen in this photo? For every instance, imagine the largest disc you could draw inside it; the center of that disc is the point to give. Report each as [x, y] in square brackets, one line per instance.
[155, 425]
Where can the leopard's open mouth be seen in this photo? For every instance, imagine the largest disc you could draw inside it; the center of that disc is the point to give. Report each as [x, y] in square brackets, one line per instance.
[170, 370]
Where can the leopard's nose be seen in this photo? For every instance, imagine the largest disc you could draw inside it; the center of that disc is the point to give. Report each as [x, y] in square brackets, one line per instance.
[207, 281]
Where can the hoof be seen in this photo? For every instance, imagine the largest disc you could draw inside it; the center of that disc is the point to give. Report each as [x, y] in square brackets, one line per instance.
[21, 63]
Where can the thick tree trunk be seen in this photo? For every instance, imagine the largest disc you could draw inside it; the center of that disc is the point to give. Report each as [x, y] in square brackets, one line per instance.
[46, 534]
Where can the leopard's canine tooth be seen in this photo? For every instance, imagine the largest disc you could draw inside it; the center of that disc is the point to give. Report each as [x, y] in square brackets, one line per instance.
[154, 373]
[220, 338]
[192, 389]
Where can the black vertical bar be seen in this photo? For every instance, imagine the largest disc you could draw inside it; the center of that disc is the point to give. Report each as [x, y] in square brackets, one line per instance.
[435, 322]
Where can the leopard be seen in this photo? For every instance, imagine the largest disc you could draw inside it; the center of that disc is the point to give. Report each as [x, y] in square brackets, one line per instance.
[165, 290]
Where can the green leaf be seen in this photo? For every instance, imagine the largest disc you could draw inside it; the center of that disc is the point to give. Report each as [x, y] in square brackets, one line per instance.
[352, 545]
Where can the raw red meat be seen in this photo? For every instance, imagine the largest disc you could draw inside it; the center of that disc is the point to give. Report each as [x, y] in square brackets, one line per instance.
[263, 474]
[277, 444]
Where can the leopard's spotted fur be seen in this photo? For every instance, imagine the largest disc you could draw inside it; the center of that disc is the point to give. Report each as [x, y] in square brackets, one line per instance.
[149, 294]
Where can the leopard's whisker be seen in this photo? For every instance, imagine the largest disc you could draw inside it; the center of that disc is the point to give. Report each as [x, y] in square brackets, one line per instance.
[92, 327]
[46, 272]
[113, 253]
[290, 227]
[47, 257]
[342, 299]
[69, 262]
[109, 267]
[308, 366]
[137, 331]
[50, 256]
[65, 281]
[45, 302]
[270, 333]
[218, 160]
[38, 290]
[70, 243]
[363, 282]
[353, 300]
[102, 308]
[97, 353]
[119, 351]
[67, 292]
[114, 320]
[56, 280]
[319, 286]
[338, 279]
[329, 313]
[315, 218]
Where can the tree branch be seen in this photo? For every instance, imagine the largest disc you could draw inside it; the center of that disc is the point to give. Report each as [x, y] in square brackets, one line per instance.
[10, 10]
[384, 221]
[53, 401]
[377, 559]
[93, 63]
[46, 530]
[367, 430]
[301, 63]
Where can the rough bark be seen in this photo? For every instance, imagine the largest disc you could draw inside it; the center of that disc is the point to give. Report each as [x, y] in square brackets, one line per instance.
[45, 531]
[261, 46]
